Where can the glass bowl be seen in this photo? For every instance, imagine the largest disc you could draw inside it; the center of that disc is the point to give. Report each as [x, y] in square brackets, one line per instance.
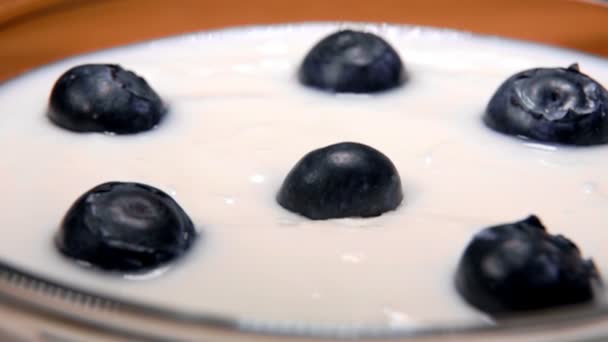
[33, 33]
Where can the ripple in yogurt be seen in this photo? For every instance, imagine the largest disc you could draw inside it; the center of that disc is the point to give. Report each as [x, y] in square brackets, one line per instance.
[240, 120]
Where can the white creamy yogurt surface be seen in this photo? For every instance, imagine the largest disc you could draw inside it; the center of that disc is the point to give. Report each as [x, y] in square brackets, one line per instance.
[239, 121]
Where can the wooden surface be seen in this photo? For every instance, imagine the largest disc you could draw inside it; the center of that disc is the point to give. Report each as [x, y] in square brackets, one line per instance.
[34, 32]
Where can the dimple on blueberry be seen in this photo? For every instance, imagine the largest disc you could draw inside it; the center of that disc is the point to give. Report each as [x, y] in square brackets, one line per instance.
[104, 98]
[351, 61]
[553, 105]
[517, 267]
[125, 227]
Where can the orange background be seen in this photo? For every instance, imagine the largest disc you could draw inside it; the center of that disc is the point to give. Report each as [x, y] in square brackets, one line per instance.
[34, 32]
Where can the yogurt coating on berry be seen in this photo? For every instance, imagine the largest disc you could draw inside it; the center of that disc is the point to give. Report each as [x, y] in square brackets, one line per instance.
[241, 120]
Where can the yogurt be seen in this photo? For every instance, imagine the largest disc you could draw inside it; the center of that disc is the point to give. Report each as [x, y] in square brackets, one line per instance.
[239, 120]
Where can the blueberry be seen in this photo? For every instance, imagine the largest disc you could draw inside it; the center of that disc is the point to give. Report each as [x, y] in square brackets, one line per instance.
[104, 98]
[518, 267]
[352, 62]
[127, 227]
[555, 105]
[342, 180]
